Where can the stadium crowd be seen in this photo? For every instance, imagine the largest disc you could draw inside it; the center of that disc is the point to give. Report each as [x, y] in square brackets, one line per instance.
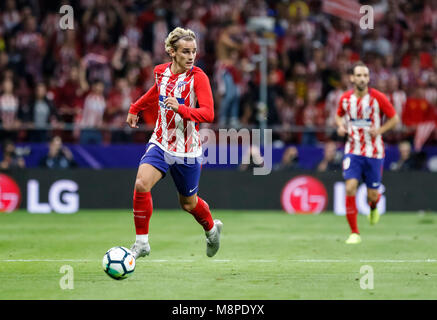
[80, 82]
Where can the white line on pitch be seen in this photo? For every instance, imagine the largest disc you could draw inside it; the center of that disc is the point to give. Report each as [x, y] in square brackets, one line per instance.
[228, 260]
[47, 260]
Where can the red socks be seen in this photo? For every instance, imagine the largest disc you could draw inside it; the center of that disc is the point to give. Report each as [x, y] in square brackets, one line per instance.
[143, 208]
[352, 213]
[202, 214]
[373, 204]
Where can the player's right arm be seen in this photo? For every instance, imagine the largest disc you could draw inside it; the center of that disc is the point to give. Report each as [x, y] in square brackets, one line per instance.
[339, 121]
[148, 99]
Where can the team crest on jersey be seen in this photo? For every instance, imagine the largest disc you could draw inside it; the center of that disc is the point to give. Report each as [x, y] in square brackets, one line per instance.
[367, 111]
[181, 86]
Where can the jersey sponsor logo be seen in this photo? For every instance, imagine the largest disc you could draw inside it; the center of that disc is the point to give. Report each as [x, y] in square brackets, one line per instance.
[304, 195]
[162, 98]
[361, 123]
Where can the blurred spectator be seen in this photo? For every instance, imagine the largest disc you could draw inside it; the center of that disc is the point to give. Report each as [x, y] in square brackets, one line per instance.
[9, 109]
[31, 44]
[406, 158]
[67, 55]
[378, 72]
[276, 83]
[430, 91]
[333, 98]
[228, 74]
[332, 159]
[11, 157]
[230, 101]
[69, 97]
[377, 44]
[417, 109]
[40, 113]
[4, 61]
[396, 96]
[290, 160]
[91, 121]
[58, 156]
[288, 106]
[313, 118]
[119, 100]
[251, 158]
[413, 75]
[10, 16]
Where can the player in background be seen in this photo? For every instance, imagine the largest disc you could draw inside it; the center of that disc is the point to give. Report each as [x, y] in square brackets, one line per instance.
[175, 145]
[360, 115]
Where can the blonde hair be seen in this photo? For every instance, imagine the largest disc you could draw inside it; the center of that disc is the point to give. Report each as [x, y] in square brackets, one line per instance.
[177, 34]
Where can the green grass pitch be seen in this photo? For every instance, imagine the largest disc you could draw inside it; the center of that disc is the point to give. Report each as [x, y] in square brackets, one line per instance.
[263, 255]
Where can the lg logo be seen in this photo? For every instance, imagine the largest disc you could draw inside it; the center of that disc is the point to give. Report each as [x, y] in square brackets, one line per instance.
[304, 195]
[10, 194]
[62, 197]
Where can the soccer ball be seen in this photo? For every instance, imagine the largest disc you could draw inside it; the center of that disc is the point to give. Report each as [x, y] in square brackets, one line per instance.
[118, 263]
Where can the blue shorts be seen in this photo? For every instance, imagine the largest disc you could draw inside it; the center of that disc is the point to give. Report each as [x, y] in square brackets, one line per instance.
[363, 168]
[184, 171]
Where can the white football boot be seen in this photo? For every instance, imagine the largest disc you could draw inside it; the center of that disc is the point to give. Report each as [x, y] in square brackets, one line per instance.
[213, 238]
[140, 249]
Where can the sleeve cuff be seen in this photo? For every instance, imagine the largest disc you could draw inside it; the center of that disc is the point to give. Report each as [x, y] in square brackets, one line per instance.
[183, 111]
[133, 110]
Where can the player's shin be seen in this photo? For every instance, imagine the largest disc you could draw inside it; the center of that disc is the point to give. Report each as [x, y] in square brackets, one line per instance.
[373, 204]
[202, 214]
[352, 213]
[142, 210]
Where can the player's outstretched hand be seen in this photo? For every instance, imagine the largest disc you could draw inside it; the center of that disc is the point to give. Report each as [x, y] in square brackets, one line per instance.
[132, 120]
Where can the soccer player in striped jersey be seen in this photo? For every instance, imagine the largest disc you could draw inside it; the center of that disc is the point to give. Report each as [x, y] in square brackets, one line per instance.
[363, 108]
[175, 145]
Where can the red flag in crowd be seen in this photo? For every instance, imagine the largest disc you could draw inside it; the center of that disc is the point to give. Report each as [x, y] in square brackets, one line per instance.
[423, 132]
[345, 9]
[348, 10]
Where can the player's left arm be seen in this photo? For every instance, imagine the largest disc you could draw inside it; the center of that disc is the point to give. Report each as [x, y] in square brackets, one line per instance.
[339, 119]
[205, 112]
[387, 109]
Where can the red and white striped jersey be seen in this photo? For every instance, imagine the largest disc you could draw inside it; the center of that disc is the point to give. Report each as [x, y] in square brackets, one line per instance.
[178, 132]
[361, 115]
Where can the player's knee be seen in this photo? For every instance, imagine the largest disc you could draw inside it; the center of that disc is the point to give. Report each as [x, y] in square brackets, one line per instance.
[142, 186]
[351, 190]
[188, 206]
[372, 196]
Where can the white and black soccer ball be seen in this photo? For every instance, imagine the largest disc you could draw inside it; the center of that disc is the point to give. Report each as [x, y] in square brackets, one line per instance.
[118, 263]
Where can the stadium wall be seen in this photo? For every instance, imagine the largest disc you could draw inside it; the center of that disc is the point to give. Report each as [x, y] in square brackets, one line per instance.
[65, 191]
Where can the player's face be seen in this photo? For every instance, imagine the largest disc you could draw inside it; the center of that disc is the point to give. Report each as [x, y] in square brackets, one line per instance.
[360, 78]
[185, 54]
